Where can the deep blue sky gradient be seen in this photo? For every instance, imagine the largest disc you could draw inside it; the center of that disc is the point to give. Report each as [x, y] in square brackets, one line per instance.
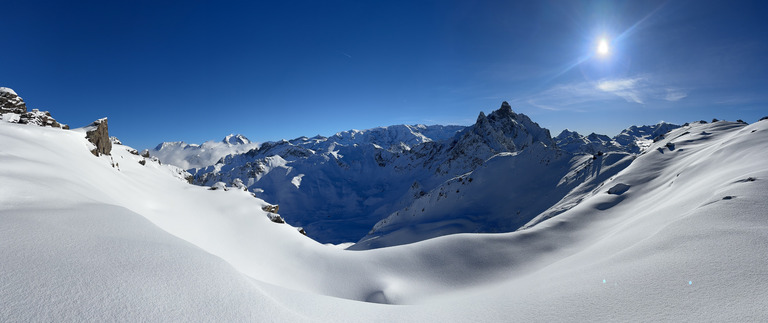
[198, 70]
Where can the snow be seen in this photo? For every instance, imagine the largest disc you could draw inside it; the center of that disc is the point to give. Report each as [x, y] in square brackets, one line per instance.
[11, 117]
[296, 180]
[8, 90]
[83, 240]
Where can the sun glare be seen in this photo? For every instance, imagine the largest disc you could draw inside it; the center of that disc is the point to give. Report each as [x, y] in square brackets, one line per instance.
[602, 47]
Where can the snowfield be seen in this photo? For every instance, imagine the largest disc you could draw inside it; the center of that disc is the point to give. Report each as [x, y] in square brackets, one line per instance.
[680, 234]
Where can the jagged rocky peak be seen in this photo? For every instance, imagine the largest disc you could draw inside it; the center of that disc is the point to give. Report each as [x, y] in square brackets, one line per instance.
[237, 139]
[98, 134]
[504, 130]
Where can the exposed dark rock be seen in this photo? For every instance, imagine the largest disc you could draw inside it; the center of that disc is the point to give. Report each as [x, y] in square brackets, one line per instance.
[219, 186]
[276, 218]
[271, 208]
[98, 134]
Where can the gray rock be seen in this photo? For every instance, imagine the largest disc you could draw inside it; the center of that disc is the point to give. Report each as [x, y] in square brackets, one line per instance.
[10, 102]
[99, 136]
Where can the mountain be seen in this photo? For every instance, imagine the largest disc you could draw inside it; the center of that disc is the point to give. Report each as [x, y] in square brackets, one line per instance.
[675, 235]
[189, 156]
[633, 139]
[335, 187]
[639, 137]
[338, 187]
[572, 141]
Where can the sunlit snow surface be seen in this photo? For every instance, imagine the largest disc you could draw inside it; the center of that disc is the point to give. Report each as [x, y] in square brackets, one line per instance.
[684, 238]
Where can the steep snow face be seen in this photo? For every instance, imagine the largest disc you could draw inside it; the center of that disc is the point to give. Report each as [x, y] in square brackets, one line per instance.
[502, 195]
[353, 179]
[189, 156]
[673, 236]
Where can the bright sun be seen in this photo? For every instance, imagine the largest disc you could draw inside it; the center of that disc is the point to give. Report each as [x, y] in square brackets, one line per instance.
[602, 47]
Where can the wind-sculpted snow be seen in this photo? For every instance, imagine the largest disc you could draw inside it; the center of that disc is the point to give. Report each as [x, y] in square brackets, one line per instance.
[109, 238]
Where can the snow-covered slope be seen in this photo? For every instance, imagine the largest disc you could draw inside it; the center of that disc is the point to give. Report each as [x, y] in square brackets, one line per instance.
[188, 156]
[678, 235]
[502, 195]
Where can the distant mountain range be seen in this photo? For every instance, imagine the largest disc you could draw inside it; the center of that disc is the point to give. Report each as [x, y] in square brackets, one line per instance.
[361, 183]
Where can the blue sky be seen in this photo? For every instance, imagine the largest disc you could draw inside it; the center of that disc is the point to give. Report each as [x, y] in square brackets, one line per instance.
[198, 70]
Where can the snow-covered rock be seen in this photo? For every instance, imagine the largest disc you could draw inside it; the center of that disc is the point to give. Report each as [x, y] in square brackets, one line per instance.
[14, 110]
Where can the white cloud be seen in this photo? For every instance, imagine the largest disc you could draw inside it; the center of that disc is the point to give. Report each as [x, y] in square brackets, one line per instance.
[617, 85]
[631, 90]
[577, 96]
[675, 95]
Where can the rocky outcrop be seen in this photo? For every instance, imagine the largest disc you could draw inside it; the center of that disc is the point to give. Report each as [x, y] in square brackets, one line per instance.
[10, 102]
[14, 110]
[98, 134]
